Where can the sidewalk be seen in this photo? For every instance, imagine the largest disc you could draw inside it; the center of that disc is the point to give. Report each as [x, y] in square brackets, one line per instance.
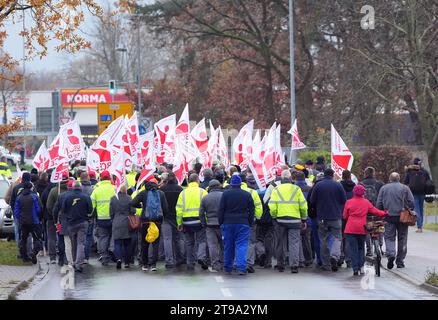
[422, 256]
[13, 276]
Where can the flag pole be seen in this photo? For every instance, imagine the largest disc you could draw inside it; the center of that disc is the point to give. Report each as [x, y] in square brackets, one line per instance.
[293, 155]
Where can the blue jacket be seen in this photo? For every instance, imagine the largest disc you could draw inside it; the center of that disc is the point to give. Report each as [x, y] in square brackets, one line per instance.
[28, 208]
[236, 207]
[76, 207]
[328, 197]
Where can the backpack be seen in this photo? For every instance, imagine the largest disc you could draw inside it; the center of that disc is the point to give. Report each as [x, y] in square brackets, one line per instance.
[153, 233]
[153, 210]
[371, 193]
[266, 216]
[417, 182]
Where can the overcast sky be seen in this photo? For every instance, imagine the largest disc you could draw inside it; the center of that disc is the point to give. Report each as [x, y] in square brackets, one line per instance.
[54, 60]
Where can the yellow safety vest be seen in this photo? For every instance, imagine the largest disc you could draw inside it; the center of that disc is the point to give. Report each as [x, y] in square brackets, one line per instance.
[101, 197]
[258, 212]
[187, 206]
[134, 194]
[4, 170]
[130, 178]
[287, 204]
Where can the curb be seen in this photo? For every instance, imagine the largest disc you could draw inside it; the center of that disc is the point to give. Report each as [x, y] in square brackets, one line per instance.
[13, 294]
[429, 288]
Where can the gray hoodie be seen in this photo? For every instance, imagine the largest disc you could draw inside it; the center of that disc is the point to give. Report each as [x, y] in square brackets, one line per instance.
[395, 197]
[208, 211]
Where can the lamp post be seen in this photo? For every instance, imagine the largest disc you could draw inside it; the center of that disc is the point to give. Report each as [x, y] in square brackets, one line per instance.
[293, 154]
[125, 52]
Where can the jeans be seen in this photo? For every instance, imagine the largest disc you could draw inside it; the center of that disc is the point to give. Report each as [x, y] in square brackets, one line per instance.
[419, 204]
[214, 243]
[51, 238]
[173, 244]
[316, 243]
[327, 228]
[36, 231]
[356, 247]
[291, 240]
[195, 239]
[75, 241]
[103, 241]
[236, 241]
[394, 229]
[89, 241]
[145, 260]
[122, 250]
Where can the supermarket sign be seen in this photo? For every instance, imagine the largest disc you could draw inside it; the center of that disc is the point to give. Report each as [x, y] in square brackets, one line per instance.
[88, 98]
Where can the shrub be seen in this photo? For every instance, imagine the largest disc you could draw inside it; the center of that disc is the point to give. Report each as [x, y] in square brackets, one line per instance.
[385, 159]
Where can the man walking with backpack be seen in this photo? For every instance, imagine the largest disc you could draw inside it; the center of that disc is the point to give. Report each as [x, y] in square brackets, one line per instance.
[416, 179]
[372, 188]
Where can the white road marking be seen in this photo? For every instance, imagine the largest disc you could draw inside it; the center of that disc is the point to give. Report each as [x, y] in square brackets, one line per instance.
[226, 292]
[219, 279]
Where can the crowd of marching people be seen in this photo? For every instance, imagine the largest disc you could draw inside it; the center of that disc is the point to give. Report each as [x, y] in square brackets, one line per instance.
[304, 218]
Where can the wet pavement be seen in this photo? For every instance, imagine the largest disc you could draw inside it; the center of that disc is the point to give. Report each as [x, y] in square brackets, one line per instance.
[99, 282]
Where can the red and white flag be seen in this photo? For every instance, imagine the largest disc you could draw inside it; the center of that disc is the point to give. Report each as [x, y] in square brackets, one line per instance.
[60, 170]
[200, 137]
[279, 156]
[165, 131]
[341, 157]
[144, 174]
[184, 138]
[131, 126]
[242, 145]
[179, 167]
[128, 152]
[223, 149]
[109, 140]
[146, 155]
[42, 158]
[93, 161]
[55, 153]
[117, 168]
[256, 163]
[296, 141]
[71, 143]
[270, 155]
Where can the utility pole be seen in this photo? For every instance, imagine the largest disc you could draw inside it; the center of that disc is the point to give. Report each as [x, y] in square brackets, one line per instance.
[293, 154]
[24, 89]
[138, 68]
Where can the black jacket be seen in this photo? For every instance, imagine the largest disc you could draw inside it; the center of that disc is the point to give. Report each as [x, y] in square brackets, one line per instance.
[76, 207]
[27, 208]
[140, 199]
[171, 192]
[348, 186]
[236, 207]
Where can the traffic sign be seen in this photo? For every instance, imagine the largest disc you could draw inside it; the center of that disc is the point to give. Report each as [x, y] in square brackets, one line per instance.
[141, 129]
[108, 112]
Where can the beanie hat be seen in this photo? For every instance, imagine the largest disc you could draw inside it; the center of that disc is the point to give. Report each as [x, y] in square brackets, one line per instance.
[105, 175]
[359, 190]
[92, 174]
[235, 180]
[214, 183]
[25, 177]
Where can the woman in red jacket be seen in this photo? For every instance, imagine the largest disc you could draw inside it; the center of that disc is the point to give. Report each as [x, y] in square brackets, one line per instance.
[355, 213]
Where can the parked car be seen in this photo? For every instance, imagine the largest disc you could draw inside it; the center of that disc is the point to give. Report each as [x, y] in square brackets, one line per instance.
[6, 216]
[12, 157]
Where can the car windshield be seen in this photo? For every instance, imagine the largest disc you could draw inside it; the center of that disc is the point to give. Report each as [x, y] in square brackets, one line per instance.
[4, 185]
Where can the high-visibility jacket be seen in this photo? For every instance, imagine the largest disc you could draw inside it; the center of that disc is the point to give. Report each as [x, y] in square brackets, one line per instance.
[101, 197]
[4, 170]
[130, 178]
[287, 204]
[258, 212]
[134, 194]
[187, 206]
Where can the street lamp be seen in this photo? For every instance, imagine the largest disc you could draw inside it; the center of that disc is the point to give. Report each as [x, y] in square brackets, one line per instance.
[125, 52]
[293, 154]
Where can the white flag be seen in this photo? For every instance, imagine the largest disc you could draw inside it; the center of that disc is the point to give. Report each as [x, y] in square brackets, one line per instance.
[296, 141]
[42, 158]
[341, 157]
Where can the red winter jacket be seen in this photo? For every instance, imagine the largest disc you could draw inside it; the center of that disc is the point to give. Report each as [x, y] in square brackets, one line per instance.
[355, 213]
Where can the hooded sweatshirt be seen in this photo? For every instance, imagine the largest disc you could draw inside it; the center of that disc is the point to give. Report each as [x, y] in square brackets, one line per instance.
[348, 186]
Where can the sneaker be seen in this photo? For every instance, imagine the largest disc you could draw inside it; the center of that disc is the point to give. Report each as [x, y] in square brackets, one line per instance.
[242, 273]
[79, 269]
[348, 265]
[369, 254]
[334, 264]
[280, 269]
[362, 271]
[212, 270]
[144, 268]
[250, 269]
[126, 266]
[419, 230]
[119, 264]
[400, 265]
[52, 261]
[355, 273]
[203, 264]
[294, 270]
[100, 258]
[86, 261]
[340, 263]
[34, 259]
[153, 268]
[262, 260]
[390, 264]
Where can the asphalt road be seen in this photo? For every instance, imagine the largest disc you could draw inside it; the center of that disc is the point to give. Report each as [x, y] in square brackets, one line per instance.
[99, 282]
